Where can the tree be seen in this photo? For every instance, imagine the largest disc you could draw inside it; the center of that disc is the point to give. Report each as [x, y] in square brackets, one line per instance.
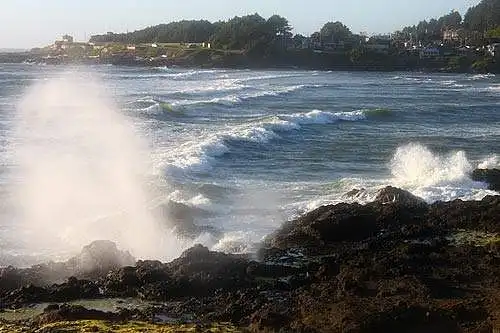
[493, 33]
[279, 25]
[298, 41]
[484, 16]
[333, 32]
[451, 21]
[174, 32]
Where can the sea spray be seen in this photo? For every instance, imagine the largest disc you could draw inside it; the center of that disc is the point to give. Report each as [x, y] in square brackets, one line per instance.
[81, 173]
[435, 177]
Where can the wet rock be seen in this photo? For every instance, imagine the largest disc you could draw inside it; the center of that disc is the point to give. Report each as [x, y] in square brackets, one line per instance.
[489, 176]
[355, 193]
[73, 289]
[204, 271]
[256, 269]
[267, 320]
[413, 318]
[95, 261]
[98, 258]
[472, 215]
[386, 266]
[197, 272]
[339, 223]
[24, 295]
[55, 313]
[394, 195]
[182, 217]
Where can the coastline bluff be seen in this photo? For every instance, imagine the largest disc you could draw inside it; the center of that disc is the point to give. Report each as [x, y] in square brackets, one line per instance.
[393, 265]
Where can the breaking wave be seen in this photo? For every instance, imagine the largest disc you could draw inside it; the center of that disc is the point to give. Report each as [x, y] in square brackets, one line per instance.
[435, 177]
[198, 156]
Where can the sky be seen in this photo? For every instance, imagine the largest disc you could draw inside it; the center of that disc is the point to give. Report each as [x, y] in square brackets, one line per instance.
[34, 23]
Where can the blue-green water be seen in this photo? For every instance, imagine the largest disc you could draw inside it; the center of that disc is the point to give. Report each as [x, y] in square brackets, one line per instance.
[255, 148]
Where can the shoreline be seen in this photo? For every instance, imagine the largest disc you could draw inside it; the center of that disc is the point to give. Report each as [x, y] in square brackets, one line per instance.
[242, 62]
[394, 264]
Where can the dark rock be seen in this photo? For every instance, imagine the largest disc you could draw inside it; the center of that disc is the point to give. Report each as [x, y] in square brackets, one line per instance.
[197, 272]
[24, 295]
[204, 271]
[472, 215]
[339, 223]
[489, 176]
[355, 193]
[256, 269]
[95, 261]
[67, 312]
[410, 319]
[73, 289]
[387, 266]
[269, 320]
[393, 195]
[98, 258]
[182, 217]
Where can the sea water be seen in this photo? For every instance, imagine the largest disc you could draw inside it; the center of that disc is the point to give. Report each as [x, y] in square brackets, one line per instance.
[87, 152]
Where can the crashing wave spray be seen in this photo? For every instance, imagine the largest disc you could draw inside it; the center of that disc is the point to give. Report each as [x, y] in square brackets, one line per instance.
[415, 164]
[81, 173]
[434, 177]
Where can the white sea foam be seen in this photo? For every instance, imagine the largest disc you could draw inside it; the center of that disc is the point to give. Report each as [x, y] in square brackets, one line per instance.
[490, 162]
[481, 77]
[236, 242]
[435, 177]
[415, 168]
[189, 73]
[323, 117]
[238, 98]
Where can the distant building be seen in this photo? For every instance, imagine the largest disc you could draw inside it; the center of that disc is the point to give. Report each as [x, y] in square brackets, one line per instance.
[334, 46]
[429, 52]
[379, 43]
[130, 47]
[451, 35]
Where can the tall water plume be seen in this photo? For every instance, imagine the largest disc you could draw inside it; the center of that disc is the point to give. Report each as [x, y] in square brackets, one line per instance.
[81, 173]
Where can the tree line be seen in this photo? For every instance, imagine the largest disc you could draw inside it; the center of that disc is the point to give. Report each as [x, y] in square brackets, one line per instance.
[254, 33]
[479, 24]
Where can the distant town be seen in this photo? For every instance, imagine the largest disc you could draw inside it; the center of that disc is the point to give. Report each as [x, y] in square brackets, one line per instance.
[450, 43]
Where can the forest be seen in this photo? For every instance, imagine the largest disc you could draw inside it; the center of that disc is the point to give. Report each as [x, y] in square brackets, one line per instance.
[254, 33]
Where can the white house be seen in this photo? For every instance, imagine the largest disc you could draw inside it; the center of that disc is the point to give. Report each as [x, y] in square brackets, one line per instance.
[429, 52]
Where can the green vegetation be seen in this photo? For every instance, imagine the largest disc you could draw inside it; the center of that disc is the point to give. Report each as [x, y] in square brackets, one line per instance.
[449, 43]
[255, 32]
[127, 327]
[472, 237]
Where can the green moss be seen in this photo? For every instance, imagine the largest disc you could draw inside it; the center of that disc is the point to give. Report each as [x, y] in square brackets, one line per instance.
[476, 238]
[103, 326]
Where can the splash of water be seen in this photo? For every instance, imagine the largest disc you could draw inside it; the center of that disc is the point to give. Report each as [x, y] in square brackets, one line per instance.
[416, 165]
[81, 173]
[435, 177]
[491, 162]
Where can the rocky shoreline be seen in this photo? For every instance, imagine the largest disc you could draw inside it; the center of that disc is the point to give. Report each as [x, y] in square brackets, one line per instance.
[396, 264]
[217, 60]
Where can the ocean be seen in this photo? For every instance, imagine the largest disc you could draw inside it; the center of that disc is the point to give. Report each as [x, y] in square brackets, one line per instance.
[87, 152]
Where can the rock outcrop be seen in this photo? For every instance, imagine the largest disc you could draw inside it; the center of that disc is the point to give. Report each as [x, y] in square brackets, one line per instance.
[394, 265]
[489, 176]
